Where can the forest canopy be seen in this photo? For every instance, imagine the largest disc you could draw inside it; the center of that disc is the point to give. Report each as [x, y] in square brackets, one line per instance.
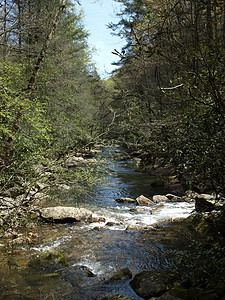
[49, 88]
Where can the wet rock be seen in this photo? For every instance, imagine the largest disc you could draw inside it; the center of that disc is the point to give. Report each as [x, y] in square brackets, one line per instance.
[122, 274]
[125, 200]
[87, 271]
[98, 220]
[116, 297]
[137, 227]
[154, 283]
[142, 200]
[110, 224]
[47, 259]
[66, 214]
[160, 198]
[155, 210]
[173, 198]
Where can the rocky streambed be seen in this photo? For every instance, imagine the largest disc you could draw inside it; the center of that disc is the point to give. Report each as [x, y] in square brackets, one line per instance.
[115, 245]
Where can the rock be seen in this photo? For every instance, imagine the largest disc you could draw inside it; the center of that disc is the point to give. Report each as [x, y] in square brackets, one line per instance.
[203, 205]
[66, 214]
[210, 224]
[8, 202]
[122, 274]
[142, 200]
[74, 161]
[64, 187]
[98, 220]
[87, 271]
[47, 259]
[207, 197]
[137, 227]
[191, 194]
[155, 210]
[154, 283]
[110, 224]
[77, 161]
[160, 198]
[137, 161]
[173, 198]
[116, 297]
[126, 200]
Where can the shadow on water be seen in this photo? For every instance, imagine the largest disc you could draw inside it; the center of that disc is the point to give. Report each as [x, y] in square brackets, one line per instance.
[94, 251]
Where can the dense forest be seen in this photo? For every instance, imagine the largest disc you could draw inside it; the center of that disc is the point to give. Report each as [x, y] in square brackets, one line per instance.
[169, 89]
[164, 102]
[50, 89]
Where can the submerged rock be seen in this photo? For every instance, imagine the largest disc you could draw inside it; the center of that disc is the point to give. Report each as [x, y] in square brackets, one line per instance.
[154, 283]
[155, 210]
[142, 200]
[47, 259]
[66, 214]
[122, 274]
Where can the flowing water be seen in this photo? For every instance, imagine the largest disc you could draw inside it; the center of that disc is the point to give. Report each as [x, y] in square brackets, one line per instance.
[96, 251]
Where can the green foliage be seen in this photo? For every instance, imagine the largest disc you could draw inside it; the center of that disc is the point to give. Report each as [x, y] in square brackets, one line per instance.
[60, 114]
[170, 86]
[199, 265]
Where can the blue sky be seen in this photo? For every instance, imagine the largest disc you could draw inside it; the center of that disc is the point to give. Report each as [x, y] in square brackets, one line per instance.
[97, 16]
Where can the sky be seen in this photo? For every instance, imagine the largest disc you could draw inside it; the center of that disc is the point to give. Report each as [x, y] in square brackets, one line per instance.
[97, 16]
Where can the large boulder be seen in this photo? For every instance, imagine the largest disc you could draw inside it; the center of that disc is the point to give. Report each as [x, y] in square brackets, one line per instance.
[142, 200]
[66, 214]
[154, 283]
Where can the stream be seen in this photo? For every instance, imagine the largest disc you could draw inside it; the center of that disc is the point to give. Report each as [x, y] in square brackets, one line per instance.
[98, 249]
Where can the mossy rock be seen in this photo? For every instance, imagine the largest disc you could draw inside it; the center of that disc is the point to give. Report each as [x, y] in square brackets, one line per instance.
[47, 259]
[153, 283]
[122, 274]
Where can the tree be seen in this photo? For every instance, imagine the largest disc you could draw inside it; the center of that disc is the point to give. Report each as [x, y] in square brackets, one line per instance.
[176, 51]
